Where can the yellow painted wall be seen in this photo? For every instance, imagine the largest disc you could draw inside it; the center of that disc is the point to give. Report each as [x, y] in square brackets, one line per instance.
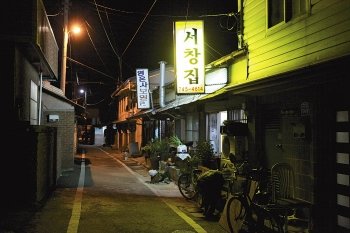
[320, 35]
[238, 71]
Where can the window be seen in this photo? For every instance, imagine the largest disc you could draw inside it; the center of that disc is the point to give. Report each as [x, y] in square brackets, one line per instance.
[284, 10]
[275, 10]
[33, 103]
[192, 127]
[237, 115]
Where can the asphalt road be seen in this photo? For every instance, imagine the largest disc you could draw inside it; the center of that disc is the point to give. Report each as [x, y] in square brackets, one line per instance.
[106, 193]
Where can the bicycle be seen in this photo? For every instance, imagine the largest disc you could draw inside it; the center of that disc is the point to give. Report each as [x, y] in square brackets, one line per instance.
[187, 182]
[249, 211]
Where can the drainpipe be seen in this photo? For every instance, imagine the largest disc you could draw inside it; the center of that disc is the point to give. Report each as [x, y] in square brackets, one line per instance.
[240, 25]
[40, 97]
[161, 84]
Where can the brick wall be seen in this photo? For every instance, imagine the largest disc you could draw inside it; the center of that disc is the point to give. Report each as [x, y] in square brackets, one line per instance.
[65, 139]
[297, 152]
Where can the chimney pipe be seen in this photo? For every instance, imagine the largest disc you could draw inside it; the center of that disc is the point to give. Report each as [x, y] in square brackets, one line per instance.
[161, 84]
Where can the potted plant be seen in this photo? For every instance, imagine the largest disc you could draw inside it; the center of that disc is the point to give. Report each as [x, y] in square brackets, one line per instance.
[157, 150]
[175, 141]
[205, 152]
[164, 149]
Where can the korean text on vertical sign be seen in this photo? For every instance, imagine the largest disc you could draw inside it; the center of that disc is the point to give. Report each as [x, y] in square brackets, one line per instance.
[142, 82]
[189, 50]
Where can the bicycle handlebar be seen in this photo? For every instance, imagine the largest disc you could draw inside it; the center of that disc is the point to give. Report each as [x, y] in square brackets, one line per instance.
[251, 173]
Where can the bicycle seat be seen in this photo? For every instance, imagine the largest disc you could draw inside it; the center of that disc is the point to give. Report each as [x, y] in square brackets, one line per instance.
[257, 174]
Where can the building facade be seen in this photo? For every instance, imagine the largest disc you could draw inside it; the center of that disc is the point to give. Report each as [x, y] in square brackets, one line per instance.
[41, 119]
[288, 83]
[291, 85]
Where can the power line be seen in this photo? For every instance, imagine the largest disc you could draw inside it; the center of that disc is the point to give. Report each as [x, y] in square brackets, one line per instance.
[93, 45]
[79, 63]
[139, 27]
[164, 15]
[104, 29]
[109, 41]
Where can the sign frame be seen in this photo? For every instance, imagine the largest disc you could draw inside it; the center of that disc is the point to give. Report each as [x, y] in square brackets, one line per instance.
[142, 83]
[189, 57]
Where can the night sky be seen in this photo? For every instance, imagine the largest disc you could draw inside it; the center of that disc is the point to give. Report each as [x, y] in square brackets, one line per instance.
[139, 33]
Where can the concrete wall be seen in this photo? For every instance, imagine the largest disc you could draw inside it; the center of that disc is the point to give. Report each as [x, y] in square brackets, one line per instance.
[27, 174]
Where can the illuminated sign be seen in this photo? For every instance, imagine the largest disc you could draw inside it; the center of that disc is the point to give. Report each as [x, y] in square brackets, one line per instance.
[189, 56]
[143, 97]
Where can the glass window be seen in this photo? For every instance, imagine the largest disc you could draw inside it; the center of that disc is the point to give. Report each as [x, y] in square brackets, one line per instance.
[284, 10]
[192, 127]
[33, 103]
[237, 115]
[275, 10]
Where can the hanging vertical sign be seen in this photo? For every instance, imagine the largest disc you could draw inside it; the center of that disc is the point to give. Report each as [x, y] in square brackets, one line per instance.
[143, 97]
[189, 56]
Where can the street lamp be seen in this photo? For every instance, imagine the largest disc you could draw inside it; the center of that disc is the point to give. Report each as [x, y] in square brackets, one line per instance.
[85, 100]
[85, 135]
[75, 29]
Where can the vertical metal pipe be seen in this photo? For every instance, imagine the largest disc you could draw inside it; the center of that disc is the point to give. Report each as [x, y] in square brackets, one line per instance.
[161, 84]
[40, 97]
[240, 25]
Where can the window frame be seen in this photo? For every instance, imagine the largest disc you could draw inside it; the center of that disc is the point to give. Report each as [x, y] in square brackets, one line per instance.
[288, 11]
[33, 102]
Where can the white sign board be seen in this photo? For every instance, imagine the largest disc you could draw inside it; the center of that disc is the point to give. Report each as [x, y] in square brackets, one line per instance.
[142, 82]
[189, 50]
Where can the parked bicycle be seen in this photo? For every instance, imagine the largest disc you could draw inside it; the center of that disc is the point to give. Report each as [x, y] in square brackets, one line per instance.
[187, 182]
[249, 211]
[204, 188]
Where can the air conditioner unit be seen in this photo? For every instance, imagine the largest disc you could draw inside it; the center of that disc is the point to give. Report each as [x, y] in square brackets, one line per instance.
[235, 145]
[53, 118]
[231, 128]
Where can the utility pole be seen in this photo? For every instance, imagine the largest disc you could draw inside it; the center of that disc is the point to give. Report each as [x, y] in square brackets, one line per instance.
[64, 46]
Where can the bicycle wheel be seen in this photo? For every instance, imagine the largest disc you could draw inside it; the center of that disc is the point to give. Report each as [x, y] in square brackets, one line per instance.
[273, 223]
[198, 198]
[186, 187]
[236, 211]
[265, 220]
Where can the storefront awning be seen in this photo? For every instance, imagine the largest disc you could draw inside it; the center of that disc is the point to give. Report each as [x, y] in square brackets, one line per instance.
[181, 100]
[142, 113]
[120, 122]
[217, 93]
[158, 112]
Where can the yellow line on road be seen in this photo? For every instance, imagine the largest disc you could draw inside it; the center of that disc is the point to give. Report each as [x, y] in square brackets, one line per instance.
[189, 220]
[76, 211]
